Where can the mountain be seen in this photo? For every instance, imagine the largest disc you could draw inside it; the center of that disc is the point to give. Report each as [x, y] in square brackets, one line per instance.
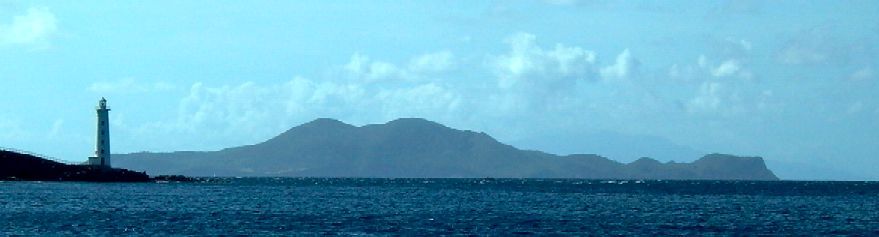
[412, 147]
[617, 146]
[17, 166]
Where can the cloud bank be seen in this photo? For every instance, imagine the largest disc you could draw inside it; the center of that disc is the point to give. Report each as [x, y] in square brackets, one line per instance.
[528, 81]
[34, 28]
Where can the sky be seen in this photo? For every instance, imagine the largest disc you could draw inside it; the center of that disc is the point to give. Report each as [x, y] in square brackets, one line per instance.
[794, 82]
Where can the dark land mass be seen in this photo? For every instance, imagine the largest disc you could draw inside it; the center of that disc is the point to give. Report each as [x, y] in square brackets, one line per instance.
[24, 167]
[417, 148]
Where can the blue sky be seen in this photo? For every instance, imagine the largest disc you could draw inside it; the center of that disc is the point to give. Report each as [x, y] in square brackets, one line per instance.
[791, 81]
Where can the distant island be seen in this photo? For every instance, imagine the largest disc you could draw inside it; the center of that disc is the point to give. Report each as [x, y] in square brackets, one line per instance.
[16, 166]
[418, 148]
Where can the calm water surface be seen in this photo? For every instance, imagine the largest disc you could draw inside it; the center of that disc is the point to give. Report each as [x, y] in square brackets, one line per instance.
[307, 206]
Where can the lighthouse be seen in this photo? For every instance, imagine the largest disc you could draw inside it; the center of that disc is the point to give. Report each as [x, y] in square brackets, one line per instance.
[102, 142]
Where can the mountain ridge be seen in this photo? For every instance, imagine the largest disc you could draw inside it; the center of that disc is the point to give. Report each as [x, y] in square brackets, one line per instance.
[416, 147]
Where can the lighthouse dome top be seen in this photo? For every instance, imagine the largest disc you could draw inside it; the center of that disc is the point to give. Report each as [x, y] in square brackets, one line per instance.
[102, 104]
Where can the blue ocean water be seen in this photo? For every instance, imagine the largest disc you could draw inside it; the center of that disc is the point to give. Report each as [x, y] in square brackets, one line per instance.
[309, 206]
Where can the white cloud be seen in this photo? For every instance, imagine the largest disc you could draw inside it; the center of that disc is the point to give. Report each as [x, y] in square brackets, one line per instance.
[426, 99]
[432, 62]
[705, 69]
[707, 98]
[521, 59]
[33, 28]
[571, 59]
[621, 68]
[727, 68]
[361, 67]
[212, 117]
[713, 96]
[531, 79]
[224, 115]
[731, 98]
[130, 85]
[529, 64]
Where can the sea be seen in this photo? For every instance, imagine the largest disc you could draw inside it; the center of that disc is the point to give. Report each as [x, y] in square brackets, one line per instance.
[391, 207]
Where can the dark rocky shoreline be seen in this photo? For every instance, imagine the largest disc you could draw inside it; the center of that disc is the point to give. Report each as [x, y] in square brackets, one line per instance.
[23, 167]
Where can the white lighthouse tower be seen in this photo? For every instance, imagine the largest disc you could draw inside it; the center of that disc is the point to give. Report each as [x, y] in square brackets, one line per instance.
[102, 143]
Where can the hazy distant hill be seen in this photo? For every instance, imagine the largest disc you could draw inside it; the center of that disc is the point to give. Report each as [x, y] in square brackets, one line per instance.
[420, 148]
